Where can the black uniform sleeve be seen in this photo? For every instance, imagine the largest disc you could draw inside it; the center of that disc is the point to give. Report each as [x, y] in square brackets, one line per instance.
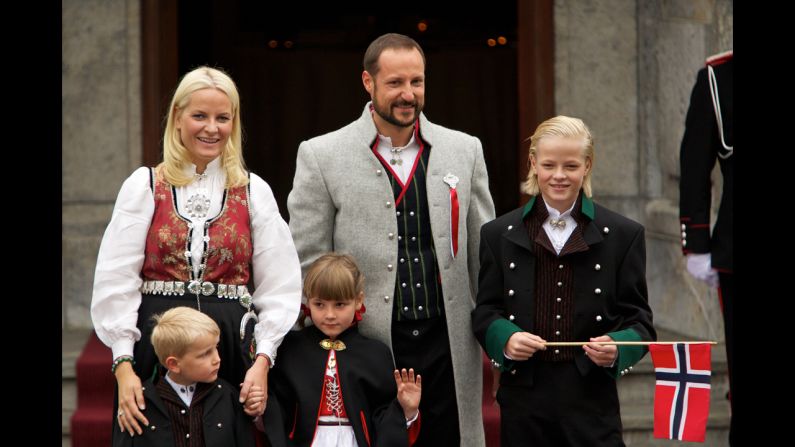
[698, 153]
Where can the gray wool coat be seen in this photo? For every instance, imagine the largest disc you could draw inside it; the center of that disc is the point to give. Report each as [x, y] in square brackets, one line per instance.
[342, 201]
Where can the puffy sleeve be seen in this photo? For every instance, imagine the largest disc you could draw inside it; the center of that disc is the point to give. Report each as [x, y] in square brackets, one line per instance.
[115, 299]
[277, 272]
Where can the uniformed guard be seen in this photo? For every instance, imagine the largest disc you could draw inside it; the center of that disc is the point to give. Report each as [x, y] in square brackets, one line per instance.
[709, 137]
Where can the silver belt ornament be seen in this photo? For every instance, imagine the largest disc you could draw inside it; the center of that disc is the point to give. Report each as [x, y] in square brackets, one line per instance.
[206, 288]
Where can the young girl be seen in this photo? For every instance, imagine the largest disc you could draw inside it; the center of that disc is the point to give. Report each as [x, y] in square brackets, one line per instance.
[331, 385]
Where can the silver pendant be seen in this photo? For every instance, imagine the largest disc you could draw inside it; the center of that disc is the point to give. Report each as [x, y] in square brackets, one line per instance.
[198, 205]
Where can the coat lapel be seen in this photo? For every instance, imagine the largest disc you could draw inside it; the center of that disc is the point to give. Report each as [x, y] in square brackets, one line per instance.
[518, 233]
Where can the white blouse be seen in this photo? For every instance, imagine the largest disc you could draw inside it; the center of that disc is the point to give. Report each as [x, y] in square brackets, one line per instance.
[276, 270]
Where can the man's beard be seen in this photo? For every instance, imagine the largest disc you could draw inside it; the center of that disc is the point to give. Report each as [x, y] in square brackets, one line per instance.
[388, 116]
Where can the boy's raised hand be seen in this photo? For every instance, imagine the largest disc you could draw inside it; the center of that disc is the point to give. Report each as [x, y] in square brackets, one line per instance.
[409, 390]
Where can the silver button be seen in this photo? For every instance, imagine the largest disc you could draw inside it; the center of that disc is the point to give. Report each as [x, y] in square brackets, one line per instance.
[684, 243]
[560, 266]
[220, 425]
[558, 299]
[510, 227]
[598, 318]
[511, 317]
[377, 172]
[513, 372]
[386, 298]
[598, 291]
[402, 260]
[557, 332]
[391, 235]
[557, 351]
[560, 284]
[510, 292]
[684, 235]
[605, 230]
[419, 308]
[557, 317]
[597, 267]
[182, 411]
[406, 309]
[187, 435]
[403, 285]
[400, 238]
[416, 260]
[684, 227]
[413, 238]
[388, 204]
[398, 213]
[415, 332]
[511, 266]
[630, 368]
[419, 285]
[389, 267]
[153, 428]
[411, 213]
[219, 386]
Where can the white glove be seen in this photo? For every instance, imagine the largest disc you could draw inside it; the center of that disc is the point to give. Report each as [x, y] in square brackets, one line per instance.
[700, 266]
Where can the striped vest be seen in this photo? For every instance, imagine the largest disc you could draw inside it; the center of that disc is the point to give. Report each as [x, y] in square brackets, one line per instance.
[418, 289]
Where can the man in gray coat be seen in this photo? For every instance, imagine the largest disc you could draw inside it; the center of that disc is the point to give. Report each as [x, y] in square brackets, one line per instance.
[407, 199]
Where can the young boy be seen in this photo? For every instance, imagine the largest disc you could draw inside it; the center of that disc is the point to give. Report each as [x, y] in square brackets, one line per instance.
[332, 386]
[187, 403]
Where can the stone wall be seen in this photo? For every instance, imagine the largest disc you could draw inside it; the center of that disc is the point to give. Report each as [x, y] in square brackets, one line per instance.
[626, 68]
[101, 128]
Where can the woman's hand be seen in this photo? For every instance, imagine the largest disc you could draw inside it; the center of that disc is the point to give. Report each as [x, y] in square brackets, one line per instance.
[256, 376]
[131, 400]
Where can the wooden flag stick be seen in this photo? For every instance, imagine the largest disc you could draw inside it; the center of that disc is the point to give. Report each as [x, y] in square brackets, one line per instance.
[626, 343]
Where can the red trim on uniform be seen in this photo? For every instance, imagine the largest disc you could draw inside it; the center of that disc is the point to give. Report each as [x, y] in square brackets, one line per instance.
[364, 427]
[404, 187]
[699, 226]
[720, 58]
[720, 298]
[684, 219]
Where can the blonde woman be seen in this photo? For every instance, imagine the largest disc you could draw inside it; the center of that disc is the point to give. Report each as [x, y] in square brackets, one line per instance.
[198, 230]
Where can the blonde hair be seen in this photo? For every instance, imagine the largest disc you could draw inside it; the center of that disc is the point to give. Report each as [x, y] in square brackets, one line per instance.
[177, 328]
[176, 155]
[559, 126]
[335, 277]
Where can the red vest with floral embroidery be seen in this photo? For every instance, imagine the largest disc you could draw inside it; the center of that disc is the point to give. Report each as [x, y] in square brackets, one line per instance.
[229, 246]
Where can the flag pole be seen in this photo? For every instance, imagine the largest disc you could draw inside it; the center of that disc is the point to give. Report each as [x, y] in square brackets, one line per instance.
[627, 343]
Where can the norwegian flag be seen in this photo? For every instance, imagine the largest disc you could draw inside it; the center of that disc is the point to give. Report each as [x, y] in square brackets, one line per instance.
[681, 397]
